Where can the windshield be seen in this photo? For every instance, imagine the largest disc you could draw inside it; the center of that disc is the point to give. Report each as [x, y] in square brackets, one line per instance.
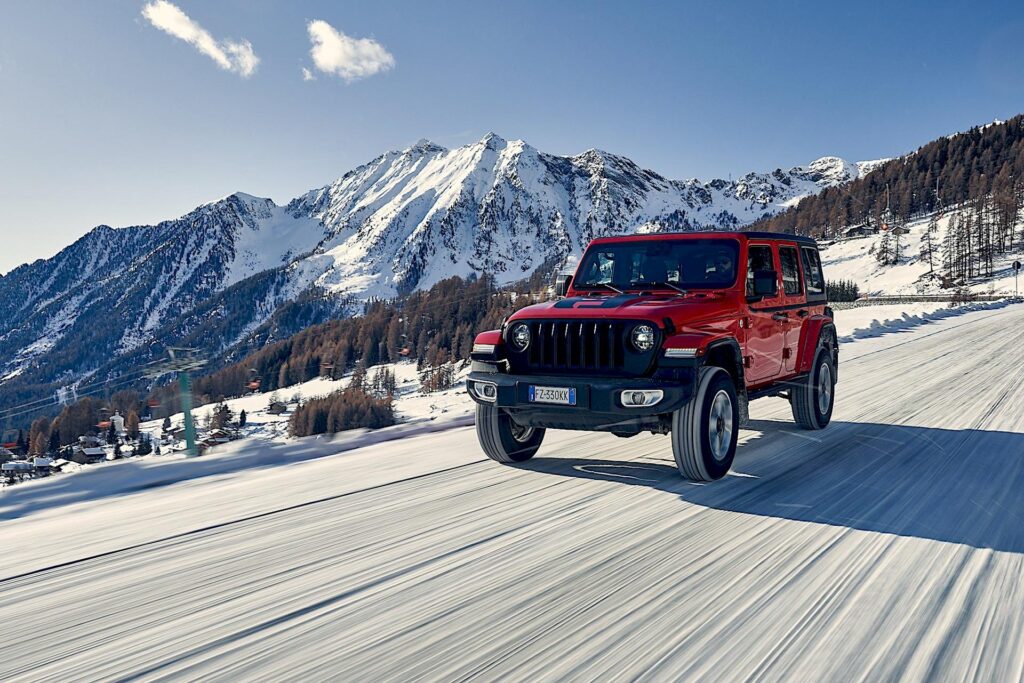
[669, 264]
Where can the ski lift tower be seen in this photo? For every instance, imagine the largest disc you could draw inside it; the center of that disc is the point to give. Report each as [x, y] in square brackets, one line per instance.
[181, 361]
[887, 215]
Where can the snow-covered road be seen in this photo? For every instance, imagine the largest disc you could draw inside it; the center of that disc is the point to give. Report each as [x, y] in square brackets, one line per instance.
[889, 546]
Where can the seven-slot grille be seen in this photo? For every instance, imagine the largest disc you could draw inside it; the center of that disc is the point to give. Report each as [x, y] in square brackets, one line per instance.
[577, 345]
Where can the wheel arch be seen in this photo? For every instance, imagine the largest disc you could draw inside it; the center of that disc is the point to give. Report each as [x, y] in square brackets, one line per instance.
[813, 330]
[726, 354]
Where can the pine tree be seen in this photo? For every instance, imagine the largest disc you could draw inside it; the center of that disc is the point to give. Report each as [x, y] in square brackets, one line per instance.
[40, 426]
[241, 418]
[166, 425]
[358, 380]
[131, 425]
[927, 244]
[884, 253]
[221, 416]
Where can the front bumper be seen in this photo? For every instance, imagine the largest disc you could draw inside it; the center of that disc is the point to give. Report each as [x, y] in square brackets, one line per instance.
[598, 400]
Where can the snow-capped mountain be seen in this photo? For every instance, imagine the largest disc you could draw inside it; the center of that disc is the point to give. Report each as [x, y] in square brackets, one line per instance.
[410, 218]
[243, 265]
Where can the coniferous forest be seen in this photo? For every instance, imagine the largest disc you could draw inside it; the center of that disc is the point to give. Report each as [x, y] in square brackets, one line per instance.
[983, 167]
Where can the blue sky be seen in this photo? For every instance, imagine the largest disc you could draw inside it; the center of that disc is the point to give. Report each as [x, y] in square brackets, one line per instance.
[104, 118]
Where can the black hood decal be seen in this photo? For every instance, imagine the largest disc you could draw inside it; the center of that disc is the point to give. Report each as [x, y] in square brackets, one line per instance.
[590, 302]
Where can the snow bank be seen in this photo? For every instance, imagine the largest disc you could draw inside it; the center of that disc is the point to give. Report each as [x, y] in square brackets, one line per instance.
[909, 321]
[138, 474]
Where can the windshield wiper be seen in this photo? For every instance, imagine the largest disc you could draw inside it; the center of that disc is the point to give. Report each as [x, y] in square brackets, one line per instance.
[656, 283]
[592, 285]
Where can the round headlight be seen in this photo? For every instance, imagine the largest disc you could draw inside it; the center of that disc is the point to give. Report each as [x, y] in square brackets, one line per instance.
[643, 337]
[520, 337]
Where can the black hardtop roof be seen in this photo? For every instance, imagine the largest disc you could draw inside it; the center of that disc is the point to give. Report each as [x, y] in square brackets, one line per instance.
[696, 234]
[781, 236]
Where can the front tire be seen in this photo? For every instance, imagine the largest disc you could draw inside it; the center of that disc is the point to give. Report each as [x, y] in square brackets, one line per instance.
[813, 399]
[502, 439]
[705, 430]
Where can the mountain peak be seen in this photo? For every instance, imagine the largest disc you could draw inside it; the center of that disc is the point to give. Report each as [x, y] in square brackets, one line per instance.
[594, 156]
[830, 170]
[492, 139]
[425, 146]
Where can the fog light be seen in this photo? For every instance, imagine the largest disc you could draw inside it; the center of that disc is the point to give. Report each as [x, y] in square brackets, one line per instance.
[485, 391]
[641, 398]
[483, 348]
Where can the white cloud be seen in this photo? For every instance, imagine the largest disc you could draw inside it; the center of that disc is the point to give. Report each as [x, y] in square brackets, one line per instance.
[335, 53]
[307, 75]
[230, 55]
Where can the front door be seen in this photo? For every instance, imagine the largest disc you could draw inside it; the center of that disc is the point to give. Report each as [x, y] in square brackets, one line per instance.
[766, 333]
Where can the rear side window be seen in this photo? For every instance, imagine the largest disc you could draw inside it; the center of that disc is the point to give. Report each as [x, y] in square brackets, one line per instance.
[812, 271]
[790, 270]
[759, 259]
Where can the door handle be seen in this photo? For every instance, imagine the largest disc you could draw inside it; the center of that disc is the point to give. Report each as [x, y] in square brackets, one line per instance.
[780, 317]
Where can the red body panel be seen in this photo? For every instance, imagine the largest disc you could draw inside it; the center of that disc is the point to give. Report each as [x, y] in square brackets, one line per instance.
[488, 337]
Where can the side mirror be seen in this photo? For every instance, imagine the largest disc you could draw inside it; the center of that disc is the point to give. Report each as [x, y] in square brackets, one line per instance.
[562, 283]
[766, 283]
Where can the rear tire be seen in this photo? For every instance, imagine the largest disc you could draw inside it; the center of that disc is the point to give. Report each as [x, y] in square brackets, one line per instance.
[502, 439]
[813, 399]
[704, 431]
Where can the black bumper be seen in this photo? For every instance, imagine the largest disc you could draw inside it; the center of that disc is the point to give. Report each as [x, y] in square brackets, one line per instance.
[598, 405]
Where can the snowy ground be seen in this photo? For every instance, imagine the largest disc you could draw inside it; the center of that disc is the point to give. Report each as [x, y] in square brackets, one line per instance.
[853, 259]
[413, 406]
[888, 546]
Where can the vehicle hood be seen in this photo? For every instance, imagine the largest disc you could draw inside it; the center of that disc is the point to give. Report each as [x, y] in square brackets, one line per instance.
[654, 307]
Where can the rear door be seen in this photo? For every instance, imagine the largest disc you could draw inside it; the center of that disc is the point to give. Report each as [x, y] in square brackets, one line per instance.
[814, 279]
[766, 334]
[795, 301]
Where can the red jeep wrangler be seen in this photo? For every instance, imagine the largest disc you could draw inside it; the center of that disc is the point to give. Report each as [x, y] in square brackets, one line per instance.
[667, 333]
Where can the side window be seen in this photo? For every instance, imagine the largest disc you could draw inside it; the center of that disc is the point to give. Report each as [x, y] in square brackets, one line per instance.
[759, 259]
[812, 271]
[790, 270]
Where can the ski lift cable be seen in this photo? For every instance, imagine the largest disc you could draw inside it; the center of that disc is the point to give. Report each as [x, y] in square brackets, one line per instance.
[76, 391]
[95, 391]
[81, 389]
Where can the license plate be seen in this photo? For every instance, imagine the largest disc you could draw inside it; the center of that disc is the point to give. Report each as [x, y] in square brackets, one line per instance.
[563, 396]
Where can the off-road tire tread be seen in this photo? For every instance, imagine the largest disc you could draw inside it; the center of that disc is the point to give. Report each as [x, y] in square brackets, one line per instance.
[803, 399]
[490, 425]
[687, 427]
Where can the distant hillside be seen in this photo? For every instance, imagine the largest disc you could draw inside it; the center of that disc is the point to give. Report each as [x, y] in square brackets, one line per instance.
[986, 161]
[930, 258]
